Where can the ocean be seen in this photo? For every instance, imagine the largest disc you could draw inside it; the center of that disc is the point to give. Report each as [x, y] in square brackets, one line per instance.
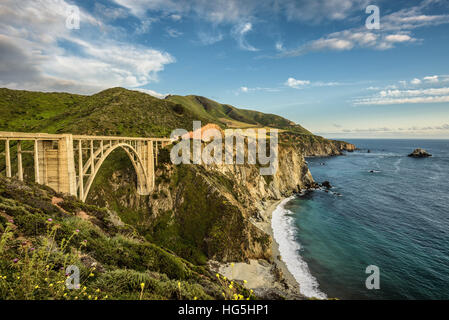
[385, 209]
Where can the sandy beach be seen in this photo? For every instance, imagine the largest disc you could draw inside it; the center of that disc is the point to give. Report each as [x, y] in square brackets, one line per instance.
[268, 278]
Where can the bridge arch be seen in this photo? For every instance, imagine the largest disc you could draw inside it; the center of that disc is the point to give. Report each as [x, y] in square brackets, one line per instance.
[144, 185]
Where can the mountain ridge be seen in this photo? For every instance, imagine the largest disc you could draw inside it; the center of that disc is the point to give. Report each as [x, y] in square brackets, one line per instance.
[32, 111]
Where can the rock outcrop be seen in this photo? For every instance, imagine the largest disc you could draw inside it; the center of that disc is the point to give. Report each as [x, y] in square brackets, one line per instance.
[326, 184]
[419, 153]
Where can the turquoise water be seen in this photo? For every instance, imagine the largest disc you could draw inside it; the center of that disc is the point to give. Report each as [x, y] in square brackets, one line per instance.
[396, 218]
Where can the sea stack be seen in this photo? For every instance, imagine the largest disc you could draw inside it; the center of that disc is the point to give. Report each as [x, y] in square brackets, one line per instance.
[419, 153]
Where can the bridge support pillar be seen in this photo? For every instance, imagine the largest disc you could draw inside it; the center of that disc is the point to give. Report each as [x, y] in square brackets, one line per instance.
[150, 165]
[57, 165]
[8, 159]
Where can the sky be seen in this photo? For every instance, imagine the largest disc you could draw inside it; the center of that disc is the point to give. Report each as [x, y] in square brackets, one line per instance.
[318, 63]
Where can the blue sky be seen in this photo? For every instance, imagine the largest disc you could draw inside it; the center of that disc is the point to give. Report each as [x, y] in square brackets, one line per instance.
[314, 62]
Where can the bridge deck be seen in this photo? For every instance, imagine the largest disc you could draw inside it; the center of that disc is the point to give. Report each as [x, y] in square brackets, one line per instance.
[47, 136]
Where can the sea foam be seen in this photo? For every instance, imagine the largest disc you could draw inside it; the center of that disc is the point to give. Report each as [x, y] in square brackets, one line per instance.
[284, 234]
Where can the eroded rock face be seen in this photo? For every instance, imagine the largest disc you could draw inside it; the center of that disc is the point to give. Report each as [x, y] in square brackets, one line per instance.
[207, 211]
[419, 153]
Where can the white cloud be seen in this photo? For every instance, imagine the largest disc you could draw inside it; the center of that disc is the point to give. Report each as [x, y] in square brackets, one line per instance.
[396, 130]
[110, 13]
[413, 18]
[398, 38]
[348, 40]
[173, 33]
[239, 32]
[319, 10]
[294, 83]
[431, 79]
[245, 89]
[32, 57]
[333, 44]
[389, 100]
[414, 93]
[279, 46]
[152, 93]
[208, 38]
[176, 17]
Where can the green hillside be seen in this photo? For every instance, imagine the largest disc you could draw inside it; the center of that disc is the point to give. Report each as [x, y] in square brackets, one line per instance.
[118, 111]
[230, 116]
[115, 111]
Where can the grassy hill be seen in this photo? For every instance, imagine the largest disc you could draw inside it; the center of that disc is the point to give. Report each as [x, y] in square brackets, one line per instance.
[118, 111]
[233, 117]
[115, 111]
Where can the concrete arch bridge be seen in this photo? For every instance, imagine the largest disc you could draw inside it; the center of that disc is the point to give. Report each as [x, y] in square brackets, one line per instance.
[69, 163]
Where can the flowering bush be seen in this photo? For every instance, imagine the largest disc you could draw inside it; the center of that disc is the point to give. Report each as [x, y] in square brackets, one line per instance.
[37, 270]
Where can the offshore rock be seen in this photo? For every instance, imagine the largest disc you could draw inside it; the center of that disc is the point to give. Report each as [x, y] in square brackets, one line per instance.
[419, 153]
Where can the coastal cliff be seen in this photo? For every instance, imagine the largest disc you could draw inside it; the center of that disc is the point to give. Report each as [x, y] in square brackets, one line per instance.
[210, 212]
[216, 214]
[206, 212]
